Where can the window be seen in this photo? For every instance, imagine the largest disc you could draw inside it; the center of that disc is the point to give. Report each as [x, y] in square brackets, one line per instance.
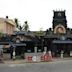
[59, 14]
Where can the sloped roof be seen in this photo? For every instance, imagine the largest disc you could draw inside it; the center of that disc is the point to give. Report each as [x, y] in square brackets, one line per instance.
[10, 21]
[24, 33]
[62, 41]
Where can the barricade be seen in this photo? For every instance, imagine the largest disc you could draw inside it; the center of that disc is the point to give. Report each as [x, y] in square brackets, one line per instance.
[46, 58]
[38, 57]
[29, 59]
[42, 58]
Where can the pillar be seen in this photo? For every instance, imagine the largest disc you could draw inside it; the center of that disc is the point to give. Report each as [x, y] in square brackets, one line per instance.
[61, 54]
[45, 50]
[35, 49]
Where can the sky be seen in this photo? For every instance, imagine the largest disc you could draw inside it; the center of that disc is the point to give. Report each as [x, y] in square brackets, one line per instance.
[38, 13]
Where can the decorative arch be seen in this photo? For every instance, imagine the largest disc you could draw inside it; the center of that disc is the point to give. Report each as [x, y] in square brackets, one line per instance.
[59, 29]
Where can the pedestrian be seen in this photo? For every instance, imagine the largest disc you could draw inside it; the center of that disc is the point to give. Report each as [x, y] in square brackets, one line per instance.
[1, 55]
[11, 52]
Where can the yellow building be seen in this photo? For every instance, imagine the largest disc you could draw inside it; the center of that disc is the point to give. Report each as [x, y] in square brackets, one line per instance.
[7, 26]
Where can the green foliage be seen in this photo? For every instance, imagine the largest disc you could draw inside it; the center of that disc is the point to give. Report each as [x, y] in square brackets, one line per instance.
[17, 24]
[16, 21]
[38, 33]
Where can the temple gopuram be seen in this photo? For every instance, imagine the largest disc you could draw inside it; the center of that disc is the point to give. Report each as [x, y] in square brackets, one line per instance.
[59, 37]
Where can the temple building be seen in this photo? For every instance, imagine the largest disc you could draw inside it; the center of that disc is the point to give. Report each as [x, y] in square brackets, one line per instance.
[57, 39]
[7, 26]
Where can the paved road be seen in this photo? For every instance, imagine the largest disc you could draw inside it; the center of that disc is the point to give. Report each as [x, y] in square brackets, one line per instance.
[59, 66]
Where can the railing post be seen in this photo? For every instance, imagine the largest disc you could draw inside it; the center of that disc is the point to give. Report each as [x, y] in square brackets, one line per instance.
[14, 53]
[45, 50]
[35, 49]
[61, 54]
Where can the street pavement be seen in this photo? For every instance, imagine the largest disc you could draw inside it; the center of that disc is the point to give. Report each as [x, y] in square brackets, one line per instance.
[56, 66]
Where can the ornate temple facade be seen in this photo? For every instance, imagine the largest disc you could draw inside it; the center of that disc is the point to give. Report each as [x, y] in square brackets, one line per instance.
[58, 38]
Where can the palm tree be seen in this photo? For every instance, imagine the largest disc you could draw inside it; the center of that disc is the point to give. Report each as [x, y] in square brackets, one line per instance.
[20, 28]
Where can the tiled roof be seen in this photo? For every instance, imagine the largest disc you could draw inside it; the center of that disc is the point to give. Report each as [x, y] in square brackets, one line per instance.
[62, 41]
[23, 32]
[10, 21]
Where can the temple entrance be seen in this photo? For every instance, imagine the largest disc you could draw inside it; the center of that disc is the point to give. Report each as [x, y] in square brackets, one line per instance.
[58, 47]
[56, 50]
[20, 51]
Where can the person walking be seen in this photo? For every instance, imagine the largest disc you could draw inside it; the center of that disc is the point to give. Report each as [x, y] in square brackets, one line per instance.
[11, 52]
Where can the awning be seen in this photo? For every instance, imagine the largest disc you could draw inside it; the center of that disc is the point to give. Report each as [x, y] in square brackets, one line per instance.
[20, 44]
[4, 43]
[15, 44]
[62, 41]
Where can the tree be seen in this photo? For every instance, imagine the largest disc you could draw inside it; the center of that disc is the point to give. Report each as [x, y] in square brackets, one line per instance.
[17, 24]
[26, 26]
[16, 21]
[20, 28]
